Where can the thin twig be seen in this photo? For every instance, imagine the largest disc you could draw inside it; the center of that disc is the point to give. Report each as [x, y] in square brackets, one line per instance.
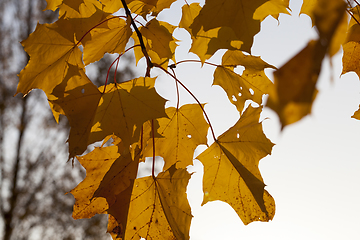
[138, 33]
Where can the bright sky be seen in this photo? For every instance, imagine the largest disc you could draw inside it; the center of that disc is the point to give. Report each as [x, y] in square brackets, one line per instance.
[313, 172]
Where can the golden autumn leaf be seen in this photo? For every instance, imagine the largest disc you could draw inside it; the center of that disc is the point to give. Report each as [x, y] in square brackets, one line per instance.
[124, 107]
[351, 45]
[205, 44]
[272, 8]
[109, 37]
[52, 49]
[145, 7]
[121, 109]
[183, 130]
[74, 8]
[109, 171]
[294, 90]
[77, 98]
[356, 114]
[158, 208]
[251, 85]
[159, 42]
[231, 171]
[235, 14]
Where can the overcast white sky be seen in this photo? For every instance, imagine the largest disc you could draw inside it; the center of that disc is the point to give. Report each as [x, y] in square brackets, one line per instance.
[313, 172]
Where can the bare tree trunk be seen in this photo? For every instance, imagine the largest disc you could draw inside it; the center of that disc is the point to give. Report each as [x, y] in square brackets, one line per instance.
[8, 215]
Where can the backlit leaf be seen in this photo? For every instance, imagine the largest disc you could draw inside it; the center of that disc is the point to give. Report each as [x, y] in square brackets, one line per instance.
[231, 171]
[158, 209]
[235, 14]
[52, 49]
[294, 90]
[183, 130]
[273, 8]
[159, 42]
[356, 114]
[110, 37]
[251, 85]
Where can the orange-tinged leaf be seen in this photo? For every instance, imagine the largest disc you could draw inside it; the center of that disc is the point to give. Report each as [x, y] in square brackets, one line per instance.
[231, 171]
[308, 7]
[159, 42]
[158, 209]
[52, 49]
[235, 14]
[183, 130]
[273, 8]
[205, 44]
[110, 37]
[356, 114]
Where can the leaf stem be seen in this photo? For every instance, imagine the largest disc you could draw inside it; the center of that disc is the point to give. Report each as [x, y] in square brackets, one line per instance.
[153, 140]
[197, 100]
[138, 33]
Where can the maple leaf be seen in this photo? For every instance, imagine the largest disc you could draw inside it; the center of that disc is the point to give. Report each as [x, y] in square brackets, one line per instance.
[145, 7]
[158, 208]
[231, 171]
[109, 37]
[205, 44]
[77, 98]
[109, 171]
[351, 45]
[183, 130]
[120, 110]
[273, 8]
[52, 49]
[356, 114]
[235, 14]
[74, 8]
[159, 42]
[251, 85]
[294, 90]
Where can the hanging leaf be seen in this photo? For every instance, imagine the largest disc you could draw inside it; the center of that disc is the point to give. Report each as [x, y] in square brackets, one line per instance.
[231, 171]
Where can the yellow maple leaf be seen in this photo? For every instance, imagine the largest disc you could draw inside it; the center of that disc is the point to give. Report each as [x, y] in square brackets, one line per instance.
[145, 7]
[124, 107]
[251, 85]
[121, 110]
[356, 114]
[235, 14]
[158, 209]
[52, 49]
[77, 98]
[109, 37]
[159, 42]
[183, 130]
[109, 171]
[231, 171]
[205, 44]
[351, 45]
[74, 8]
[273, 8]
[294, 90]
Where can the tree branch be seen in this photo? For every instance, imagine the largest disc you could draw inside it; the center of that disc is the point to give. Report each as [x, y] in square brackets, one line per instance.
[138, 33]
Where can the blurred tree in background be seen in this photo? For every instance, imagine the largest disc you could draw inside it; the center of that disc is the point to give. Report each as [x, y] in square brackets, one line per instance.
[34, 174]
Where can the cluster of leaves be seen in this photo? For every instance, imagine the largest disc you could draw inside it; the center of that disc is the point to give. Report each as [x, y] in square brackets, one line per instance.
[133, 115]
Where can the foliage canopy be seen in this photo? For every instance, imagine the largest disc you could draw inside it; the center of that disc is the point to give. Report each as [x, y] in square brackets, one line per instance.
[132, 115]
